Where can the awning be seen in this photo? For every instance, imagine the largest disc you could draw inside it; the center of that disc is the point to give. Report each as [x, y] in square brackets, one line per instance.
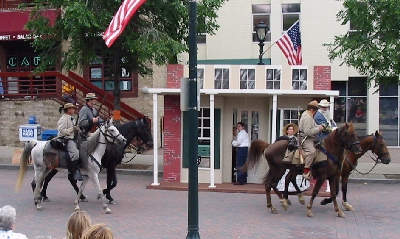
[12, 24]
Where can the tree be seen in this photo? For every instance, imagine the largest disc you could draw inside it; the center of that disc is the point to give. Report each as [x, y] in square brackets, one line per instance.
[157, 33]
[373, 42]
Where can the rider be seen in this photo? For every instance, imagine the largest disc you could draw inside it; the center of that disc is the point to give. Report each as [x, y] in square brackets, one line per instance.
[88, 115]
[308, 131]
[323, 117]
[67, 129]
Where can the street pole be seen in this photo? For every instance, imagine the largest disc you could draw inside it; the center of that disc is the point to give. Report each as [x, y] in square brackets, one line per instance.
[193, 190]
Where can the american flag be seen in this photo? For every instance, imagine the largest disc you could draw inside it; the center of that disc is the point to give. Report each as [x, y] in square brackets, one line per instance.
[290, 44]
[121, 19]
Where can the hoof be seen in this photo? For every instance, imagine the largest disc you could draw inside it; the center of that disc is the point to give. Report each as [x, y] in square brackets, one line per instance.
[46, 199]
[341, 214]
[310, 213]
[325, 201]
[302, 201]
[112, 202]
[39, 207]
[347, 206]
[83, 198]
[273, 210]
[77, 208]
[284, 204]
[288, 202]
[108, 211]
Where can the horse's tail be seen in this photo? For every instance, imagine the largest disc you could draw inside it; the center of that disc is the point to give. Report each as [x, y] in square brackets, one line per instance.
[24, 160]
[256, 150]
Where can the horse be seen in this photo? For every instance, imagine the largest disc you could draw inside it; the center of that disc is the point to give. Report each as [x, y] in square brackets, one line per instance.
[378, 147]
[96, 146]
[138, 128]
[335, 143]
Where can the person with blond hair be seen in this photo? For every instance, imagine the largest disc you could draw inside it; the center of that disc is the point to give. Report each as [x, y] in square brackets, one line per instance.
[8, 215]
[98, 231]
[77, 223]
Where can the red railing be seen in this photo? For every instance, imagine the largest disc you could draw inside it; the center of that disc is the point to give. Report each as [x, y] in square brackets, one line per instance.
[48, 85]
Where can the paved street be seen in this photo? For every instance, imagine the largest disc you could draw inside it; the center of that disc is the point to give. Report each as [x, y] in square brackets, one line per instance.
[144, 213]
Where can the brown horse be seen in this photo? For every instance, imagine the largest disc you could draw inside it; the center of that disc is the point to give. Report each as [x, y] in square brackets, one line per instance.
[335, 144]
[377, 145]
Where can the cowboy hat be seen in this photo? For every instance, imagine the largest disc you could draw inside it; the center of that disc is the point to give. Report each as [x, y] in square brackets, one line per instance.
[313, 104]
[90, 96]
[69, 105]
[285, 128]
[323, 103]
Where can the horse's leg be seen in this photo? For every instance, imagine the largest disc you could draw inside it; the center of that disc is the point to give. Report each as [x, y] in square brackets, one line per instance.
[286, 192]
[302, 201]
[346, 205]
[40, 173]
[281, 198]
[81, 188]
[268, 195]
[334, 181]
[73, 182]
[96, 183]
[314, 194]
[111, 183]
[46, 183]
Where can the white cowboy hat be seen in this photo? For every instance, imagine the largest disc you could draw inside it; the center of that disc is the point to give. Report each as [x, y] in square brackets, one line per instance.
[90, 96]
[323, 103]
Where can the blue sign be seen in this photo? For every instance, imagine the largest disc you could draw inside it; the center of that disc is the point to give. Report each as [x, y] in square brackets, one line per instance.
[26, 132]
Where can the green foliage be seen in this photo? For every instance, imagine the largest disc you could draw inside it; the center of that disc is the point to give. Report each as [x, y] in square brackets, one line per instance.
[373, 48]
[157, 33]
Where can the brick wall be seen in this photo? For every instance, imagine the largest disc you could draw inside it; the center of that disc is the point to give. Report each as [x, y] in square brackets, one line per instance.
[16, 113]
[322, 78]
[174, 75]
[172, 138]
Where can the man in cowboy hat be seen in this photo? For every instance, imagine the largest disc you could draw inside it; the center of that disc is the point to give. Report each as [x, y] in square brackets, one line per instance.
[88, 115]
[67, 129]
[308, 130]
[323, 117]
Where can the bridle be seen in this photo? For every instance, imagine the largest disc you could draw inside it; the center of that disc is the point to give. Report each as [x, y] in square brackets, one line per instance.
[345, 145]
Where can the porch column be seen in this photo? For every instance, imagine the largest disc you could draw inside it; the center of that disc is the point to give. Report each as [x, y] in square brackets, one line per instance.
[331, 106]
[274, 111]
[212, 142]
[155, 140]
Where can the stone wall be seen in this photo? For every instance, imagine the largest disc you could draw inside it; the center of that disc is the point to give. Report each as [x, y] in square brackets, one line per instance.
[16, 113]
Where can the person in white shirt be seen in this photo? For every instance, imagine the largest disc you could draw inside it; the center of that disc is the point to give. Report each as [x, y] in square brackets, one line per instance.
[8, 215]
[242, 143]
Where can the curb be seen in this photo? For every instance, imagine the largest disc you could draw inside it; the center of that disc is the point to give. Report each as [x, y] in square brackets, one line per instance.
[374, 180]
[120, 171]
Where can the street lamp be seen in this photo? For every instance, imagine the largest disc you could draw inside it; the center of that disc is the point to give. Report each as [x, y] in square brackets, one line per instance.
[261, 29]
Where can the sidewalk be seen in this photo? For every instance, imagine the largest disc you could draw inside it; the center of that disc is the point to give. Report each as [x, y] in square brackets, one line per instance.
[143, 164]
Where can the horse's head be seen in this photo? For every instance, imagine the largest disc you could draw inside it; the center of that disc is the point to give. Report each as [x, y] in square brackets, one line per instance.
[380, 149]
[111, 133]
[144, 132]
[348, 138]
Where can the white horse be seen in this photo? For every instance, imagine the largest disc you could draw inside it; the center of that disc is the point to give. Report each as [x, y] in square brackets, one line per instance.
[96, 146]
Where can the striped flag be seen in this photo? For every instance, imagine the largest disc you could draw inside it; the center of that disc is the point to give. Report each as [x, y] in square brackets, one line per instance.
[121, 19]
[290, 44]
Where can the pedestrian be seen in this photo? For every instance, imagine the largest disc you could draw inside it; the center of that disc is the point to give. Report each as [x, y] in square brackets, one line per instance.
[242, 142]
[98, 231]
[308, 132]
[88, 115]
[67, 129]
[77, 223]
[8, 215]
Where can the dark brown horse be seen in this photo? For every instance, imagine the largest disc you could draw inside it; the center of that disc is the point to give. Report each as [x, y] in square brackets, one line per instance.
[378, 147]
[335, 144]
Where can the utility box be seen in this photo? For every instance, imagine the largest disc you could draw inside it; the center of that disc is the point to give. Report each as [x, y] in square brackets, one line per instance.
[29, 132]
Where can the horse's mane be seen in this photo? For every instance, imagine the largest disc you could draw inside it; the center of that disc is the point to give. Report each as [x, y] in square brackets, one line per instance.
[124, 128]
[336, 135]
[93, 141]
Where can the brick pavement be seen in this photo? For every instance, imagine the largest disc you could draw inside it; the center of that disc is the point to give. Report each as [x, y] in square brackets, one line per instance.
[142, 213]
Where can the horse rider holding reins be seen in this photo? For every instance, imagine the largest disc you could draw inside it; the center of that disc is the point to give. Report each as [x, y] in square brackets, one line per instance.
[88, 115]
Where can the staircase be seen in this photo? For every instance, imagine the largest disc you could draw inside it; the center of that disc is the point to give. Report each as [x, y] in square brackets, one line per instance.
[48, 85]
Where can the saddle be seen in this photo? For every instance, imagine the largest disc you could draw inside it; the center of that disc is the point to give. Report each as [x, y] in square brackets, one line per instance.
[54, 153]
[294, 156]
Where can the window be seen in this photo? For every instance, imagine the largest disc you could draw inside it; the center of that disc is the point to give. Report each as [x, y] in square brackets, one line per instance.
[299, 78]
[289, 116]
[20, 56]
[254, 125]
[351, 105]
[247, 78]
[204, 136]
[273, 77]
[200, 77]
[290, 14]
[221, 78]
[261, 12]
[389, 112]
[100, 75]
[201, 35]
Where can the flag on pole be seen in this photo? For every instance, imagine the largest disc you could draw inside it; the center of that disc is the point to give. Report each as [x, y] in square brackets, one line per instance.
[121, 19]
[290, 44]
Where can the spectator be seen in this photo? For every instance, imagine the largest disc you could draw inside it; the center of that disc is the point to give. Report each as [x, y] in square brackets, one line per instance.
[8, 215]
[242, 142]
[68, 92]
[98, 231]
[77, 223]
